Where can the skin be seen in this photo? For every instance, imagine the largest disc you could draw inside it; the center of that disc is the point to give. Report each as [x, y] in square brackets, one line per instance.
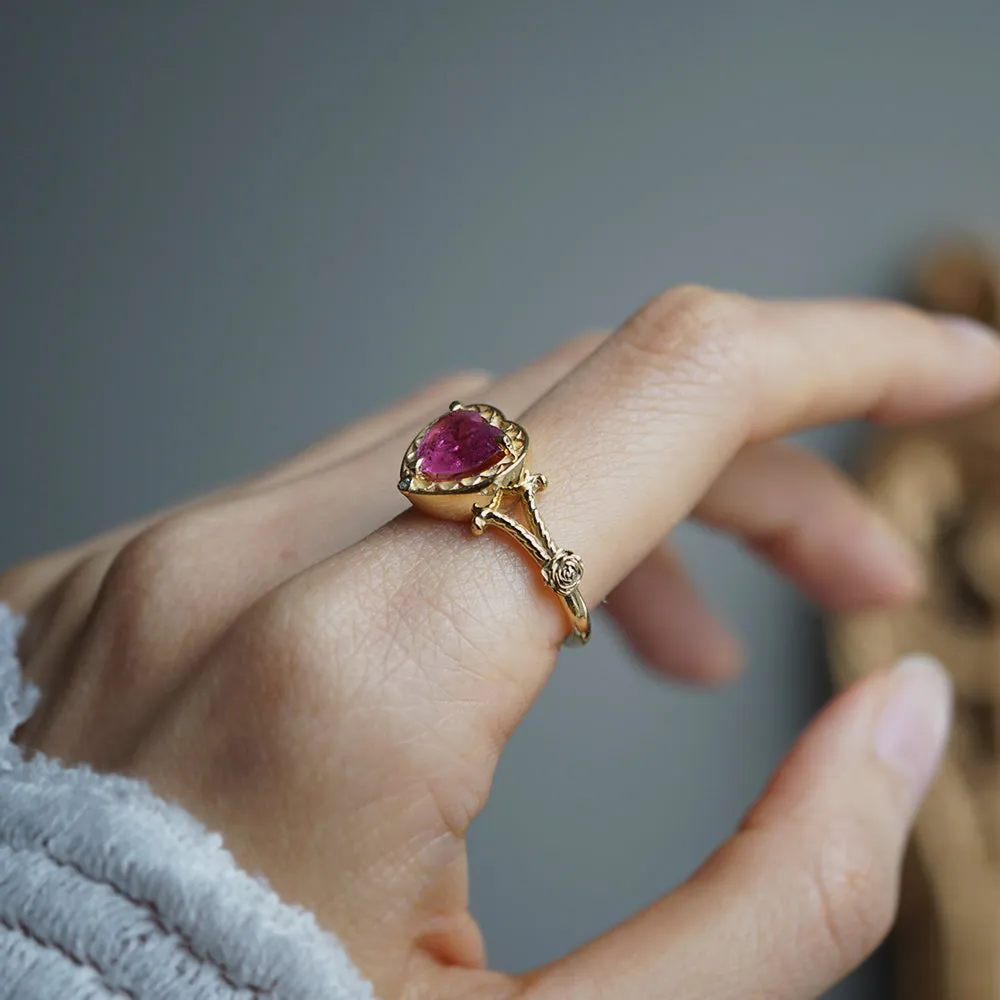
[329, 679]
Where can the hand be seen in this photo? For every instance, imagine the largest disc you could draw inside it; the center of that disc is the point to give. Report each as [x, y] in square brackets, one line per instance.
[330, 685]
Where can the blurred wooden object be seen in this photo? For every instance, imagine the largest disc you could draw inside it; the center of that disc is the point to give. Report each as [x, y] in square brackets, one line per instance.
[940, 485]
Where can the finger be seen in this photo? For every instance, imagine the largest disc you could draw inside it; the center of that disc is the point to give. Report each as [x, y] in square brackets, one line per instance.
[673, 396]
[356, 438]
[686, 383]
[635, 436]
[808, 886]
[386, 433]
[630, 441]
[813, 524]
[667, 623]
[800, 513]
[368, 448]
[265, 535]
[24, 585]
[331, 507]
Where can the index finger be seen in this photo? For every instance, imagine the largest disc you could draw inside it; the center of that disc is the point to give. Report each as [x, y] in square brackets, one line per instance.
[632, 438]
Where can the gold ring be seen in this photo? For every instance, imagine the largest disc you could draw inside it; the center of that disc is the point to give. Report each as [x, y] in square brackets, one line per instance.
[471, 463]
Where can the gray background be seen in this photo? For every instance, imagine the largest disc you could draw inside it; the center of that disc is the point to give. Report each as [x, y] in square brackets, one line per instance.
[219, 221]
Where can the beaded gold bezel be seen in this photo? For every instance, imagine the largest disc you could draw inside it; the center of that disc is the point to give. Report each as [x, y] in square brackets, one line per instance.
[503, 472]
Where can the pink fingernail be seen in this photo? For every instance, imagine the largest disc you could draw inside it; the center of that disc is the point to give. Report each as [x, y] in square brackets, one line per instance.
[912, 731]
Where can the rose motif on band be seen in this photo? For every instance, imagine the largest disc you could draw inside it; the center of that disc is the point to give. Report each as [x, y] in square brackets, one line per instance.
[563, 572]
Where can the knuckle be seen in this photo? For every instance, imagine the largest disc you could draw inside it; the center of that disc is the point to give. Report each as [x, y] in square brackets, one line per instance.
[345, 613]
[458, 384]
[287, 640]
[25, 582]
[146, 563]
[705, 325]
[158, 574]
[853, 895]
[286, 657]
[18, 580]
[65, 608]
[75, 595]
[376, 636]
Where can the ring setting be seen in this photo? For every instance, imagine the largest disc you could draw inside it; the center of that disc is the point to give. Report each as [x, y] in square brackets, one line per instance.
[470, 464]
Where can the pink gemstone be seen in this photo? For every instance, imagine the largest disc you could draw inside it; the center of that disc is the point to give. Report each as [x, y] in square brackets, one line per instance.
[459, 444]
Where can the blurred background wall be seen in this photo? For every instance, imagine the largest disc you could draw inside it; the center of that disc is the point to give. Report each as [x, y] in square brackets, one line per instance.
[228, 225]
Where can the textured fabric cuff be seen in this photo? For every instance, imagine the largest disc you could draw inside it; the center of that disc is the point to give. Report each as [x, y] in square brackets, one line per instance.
[108, 891]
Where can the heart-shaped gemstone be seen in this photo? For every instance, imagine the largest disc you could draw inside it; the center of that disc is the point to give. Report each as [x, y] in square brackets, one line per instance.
[459, 444]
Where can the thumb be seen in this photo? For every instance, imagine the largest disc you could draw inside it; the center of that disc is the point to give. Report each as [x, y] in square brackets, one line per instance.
[808, 886]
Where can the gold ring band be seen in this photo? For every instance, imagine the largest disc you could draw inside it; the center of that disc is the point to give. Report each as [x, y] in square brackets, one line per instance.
[471, 463]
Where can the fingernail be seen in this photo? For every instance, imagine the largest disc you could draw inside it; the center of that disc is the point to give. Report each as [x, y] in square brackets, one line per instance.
[912, 731]
[971, 330]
